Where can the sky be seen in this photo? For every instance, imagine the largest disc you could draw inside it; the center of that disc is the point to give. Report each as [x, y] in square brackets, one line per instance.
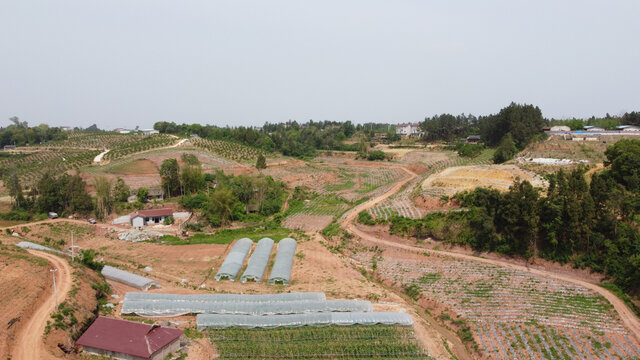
[120, 63]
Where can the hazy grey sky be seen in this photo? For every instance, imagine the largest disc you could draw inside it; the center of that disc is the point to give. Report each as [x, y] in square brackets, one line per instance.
[125, 63]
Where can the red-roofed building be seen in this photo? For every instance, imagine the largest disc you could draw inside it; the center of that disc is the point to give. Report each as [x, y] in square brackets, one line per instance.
[129, 340]
[141, 218]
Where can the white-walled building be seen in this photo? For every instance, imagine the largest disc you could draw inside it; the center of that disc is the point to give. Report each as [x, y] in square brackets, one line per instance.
[409, 129]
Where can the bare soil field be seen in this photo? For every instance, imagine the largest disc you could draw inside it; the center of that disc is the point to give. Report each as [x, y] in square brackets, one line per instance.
[456, 179]
[426, 157]
[558, 148]
[24, 283]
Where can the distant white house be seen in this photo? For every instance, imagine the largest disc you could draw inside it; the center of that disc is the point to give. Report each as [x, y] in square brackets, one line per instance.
[66, 128]
[409, 130]
[150, 131]
[560, 128]
[594, 128]
[628, 128]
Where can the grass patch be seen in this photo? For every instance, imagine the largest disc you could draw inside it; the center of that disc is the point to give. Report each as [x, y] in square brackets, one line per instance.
[135, 167]
[615, 289]
[226, 236]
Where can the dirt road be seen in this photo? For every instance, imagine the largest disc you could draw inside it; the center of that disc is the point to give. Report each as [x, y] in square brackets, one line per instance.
[630, 320]
[28, 342]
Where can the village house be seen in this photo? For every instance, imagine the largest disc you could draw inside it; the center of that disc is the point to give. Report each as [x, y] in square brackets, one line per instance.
[153, 194]
[142, 218]
[409, 130]
[122, 339]
[560, 128]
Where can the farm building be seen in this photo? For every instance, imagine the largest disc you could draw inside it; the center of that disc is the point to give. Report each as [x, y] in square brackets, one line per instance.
[123, 339]
[560, 128]
[594, 128]
[472, 139]
[153, 194]
[150, 131]
[141, 218]
[409, 130]
[628, 128]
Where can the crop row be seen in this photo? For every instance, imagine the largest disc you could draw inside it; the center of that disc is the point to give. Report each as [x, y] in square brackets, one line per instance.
[307, 222]
[143, 143]
[98, 140]
[531, 341]
[515, 314]
[335, 342]
[31, 167]
[395, 207]
[228, 149]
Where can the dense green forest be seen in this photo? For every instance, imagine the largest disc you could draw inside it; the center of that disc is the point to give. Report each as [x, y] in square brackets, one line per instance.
[587, 223]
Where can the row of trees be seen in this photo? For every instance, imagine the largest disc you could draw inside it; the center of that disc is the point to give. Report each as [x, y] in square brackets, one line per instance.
[19, 133]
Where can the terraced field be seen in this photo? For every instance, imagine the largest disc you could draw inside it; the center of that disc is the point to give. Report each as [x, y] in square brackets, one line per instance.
[228, 149]
[342, 186]
[333, 342]
[514, 314]
[315, 214]
[401, 204]
[31, 166]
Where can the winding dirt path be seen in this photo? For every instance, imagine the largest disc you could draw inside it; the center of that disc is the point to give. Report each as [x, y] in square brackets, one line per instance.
[99, 157]
[28, 342]
[630, 320]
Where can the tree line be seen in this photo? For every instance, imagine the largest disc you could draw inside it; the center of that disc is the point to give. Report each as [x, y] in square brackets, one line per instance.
[19, 133]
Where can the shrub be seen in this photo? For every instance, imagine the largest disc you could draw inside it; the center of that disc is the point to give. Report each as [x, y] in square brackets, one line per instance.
[376, 155]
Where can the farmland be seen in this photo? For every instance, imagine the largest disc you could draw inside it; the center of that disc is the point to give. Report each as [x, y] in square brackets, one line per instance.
[515, 314]
[456, 179]
[335, 342]
[227, 149]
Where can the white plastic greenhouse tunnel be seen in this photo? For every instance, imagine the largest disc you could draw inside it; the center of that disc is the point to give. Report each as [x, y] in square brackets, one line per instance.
[234, 260]
[215, 321]
[176, 308]
[128, 278]
[281, 272]
[258, 261]
[292, 296]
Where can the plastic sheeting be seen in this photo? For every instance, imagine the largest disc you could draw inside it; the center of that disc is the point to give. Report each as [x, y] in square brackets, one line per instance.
[258, 261]
[176, 308]
[281, 272]
[214, 321]
[128, 278]
[233, 262]
[293, 296]
[34, 246]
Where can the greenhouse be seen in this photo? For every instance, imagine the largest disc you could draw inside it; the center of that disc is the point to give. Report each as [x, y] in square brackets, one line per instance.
[34, 246]
[214, 321]
[258, 261]
[128, 278]
[293, 296]
[281, 272]
[176, 308]
[233, 262]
